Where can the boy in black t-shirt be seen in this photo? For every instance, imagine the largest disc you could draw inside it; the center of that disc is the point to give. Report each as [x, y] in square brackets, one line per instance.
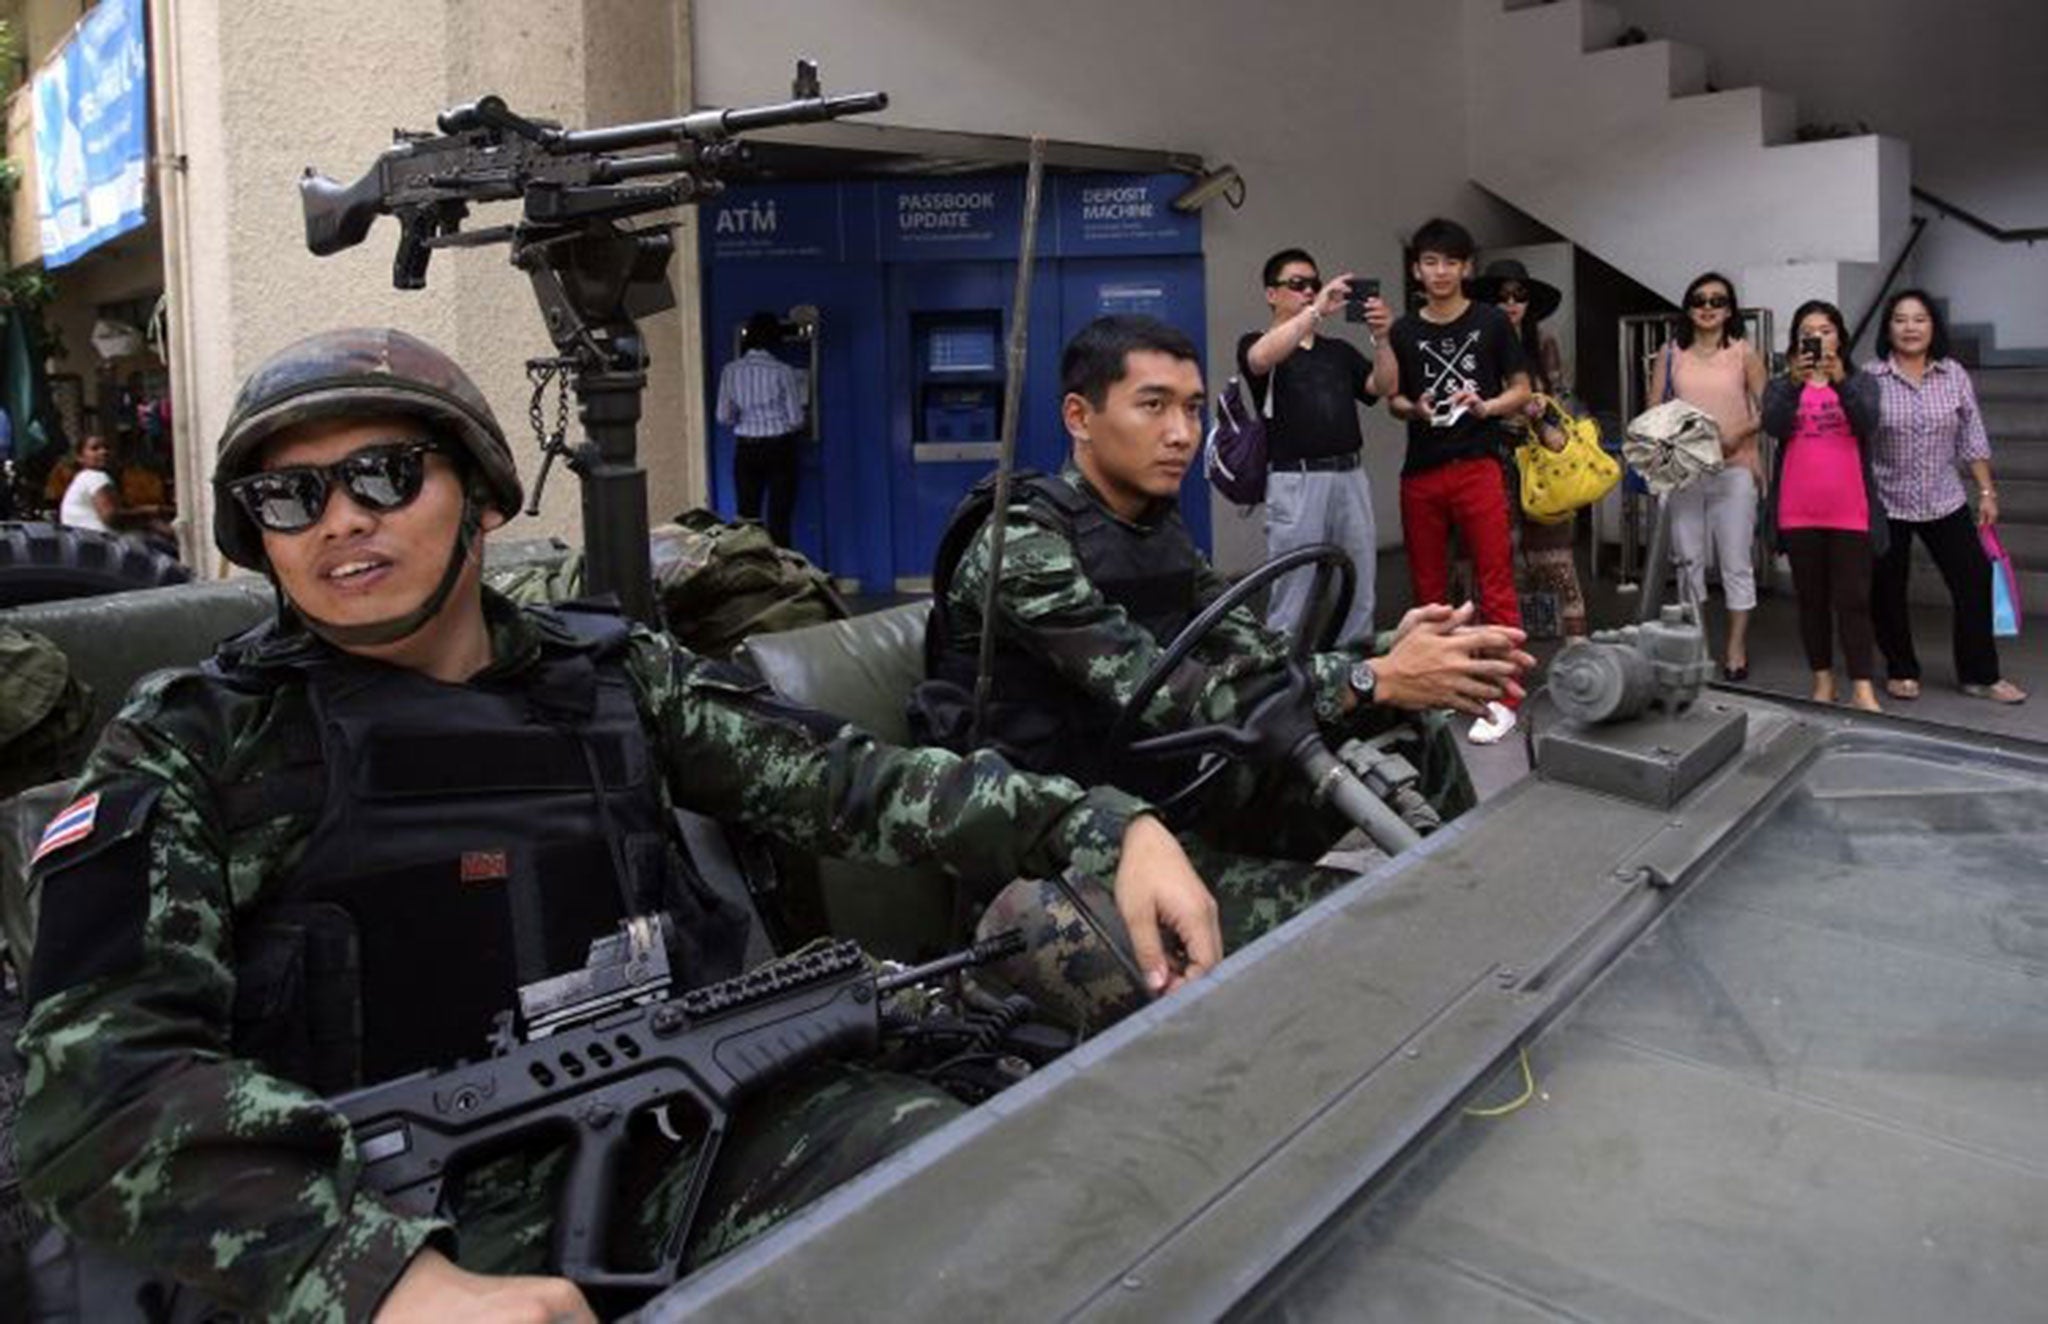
[1460, 372]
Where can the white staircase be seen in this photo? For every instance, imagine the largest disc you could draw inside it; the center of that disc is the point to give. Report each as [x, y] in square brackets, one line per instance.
[1623, 151]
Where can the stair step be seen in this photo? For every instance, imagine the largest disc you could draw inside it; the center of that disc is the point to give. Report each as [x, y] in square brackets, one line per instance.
[2017, 456]
[1770, 118]
[1926, 588]
[1628, 77]
[2021, 500]
[2026, 544]
[2011, 384]
[1593, 24]
[2012, 416]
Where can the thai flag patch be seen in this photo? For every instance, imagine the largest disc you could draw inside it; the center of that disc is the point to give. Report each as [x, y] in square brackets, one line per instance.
[72, 825]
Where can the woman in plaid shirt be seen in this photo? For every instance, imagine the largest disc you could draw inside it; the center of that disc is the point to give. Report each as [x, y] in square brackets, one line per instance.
[1929, 431]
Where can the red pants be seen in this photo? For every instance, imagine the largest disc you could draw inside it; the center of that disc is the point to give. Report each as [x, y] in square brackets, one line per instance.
[1470, 496]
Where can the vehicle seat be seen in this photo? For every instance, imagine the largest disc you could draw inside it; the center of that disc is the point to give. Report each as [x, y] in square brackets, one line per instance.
[863, 670]
[111, 641]
[116, 639]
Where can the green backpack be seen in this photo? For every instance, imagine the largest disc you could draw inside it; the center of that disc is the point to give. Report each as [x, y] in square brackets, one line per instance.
[716, 583]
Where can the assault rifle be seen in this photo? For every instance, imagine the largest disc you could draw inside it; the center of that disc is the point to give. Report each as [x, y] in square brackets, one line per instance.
[593, 277]
[590, 1048]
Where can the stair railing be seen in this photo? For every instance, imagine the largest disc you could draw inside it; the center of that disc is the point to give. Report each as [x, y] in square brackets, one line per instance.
[1978, 223]
[1884, 289]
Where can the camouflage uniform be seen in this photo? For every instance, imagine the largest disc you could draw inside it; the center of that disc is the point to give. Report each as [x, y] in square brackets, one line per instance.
[1258, 865]
[143, 1132]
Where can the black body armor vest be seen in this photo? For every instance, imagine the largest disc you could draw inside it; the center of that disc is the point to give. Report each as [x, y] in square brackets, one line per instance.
[1036, 718]
[470, 838]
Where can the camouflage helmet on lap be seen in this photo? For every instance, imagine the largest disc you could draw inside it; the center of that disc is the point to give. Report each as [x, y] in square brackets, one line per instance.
[354, 372]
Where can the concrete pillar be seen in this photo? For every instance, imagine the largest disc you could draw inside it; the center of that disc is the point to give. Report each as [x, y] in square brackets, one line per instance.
[254, 91]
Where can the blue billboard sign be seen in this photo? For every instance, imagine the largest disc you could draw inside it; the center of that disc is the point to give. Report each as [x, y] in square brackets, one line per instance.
[949, 220]
[1122, 216]
[92, 134]
[787, 223]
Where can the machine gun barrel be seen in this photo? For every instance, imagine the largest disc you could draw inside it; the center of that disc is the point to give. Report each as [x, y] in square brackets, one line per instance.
[716, 125]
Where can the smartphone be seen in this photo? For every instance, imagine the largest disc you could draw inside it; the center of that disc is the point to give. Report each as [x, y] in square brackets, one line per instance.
[1362, 288]
[1810, 347]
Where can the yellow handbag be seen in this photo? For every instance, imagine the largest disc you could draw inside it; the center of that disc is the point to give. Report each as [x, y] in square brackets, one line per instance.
[1556, 483]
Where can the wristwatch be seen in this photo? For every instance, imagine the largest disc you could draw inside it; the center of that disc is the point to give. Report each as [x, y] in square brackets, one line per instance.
[1363, 678]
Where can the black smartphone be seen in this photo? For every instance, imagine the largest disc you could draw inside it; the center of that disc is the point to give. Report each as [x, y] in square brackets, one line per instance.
[1362, 288]
[1810, 347]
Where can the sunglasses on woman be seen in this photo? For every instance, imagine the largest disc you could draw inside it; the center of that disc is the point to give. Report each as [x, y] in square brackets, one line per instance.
[1708, 301]
[1300, 284]
[1513, 294]
[383, 477]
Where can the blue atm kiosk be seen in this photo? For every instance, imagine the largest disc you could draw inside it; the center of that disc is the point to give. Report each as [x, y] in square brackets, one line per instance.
[911, 283]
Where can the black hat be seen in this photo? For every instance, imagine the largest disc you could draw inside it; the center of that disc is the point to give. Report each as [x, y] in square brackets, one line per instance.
[1543, 298]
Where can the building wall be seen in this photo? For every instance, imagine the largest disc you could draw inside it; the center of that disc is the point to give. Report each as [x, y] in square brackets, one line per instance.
[1961, 82]
[23, 237]
[41, 25]
[1345, 119]
[264, 88]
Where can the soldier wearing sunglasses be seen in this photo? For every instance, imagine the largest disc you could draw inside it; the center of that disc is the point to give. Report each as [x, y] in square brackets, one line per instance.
[330, 857]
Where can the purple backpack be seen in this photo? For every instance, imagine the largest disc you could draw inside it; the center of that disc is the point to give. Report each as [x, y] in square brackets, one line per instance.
[1234, 456]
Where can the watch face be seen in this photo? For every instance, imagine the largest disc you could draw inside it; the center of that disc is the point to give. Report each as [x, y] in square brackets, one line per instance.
[1362, 678]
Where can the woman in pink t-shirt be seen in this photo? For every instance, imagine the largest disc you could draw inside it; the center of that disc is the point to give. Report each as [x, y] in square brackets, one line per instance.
[1824, 496]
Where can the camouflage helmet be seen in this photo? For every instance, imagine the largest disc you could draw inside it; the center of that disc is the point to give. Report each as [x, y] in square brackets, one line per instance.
[353, 371]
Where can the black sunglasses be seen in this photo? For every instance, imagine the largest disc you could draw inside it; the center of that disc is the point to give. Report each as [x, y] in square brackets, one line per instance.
[382, 477]
[1514, 294]
[1708, 301]
[1300, 284]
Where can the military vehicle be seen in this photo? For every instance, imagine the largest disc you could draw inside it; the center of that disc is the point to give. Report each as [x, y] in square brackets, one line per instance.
[1734, 1010]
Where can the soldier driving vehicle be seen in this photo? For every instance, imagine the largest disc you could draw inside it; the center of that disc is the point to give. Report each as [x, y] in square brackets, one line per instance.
[330, 857]
[1097, 581]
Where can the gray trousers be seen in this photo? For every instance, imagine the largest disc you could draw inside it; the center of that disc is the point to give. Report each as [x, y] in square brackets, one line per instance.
[1307, 508]
[1719, 509]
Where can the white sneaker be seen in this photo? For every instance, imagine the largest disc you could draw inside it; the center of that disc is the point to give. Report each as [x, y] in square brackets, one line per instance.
[1499, 720]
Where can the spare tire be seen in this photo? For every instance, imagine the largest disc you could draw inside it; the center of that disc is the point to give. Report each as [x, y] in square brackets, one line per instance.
[45, 562]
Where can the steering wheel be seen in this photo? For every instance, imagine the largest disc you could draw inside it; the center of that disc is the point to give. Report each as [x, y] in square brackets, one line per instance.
[1280, 715]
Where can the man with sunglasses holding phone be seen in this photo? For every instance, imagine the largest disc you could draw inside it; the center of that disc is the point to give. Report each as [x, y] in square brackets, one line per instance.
[1310, 386]
[332, 855]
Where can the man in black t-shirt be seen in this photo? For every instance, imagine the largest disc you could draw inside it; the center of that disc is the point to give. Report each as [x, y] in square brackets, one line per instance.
[1459, 373]
[1316, 489]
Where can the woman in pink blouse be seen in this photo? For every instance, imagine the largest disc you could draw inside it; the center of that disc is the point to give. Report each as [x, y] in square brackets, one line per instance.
[1824, 497]
[1710, 366]
[1929, 431]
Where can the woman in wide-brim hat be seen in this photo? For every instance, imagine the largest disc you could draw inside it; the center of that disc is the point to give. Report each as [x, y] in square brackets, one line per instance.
[1547, 557]
[1507, 282]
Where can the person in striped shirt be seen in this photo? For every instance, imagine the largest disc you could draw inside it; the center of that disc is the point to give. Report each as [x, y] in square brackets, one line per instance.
[761, 399]
[1929, 432]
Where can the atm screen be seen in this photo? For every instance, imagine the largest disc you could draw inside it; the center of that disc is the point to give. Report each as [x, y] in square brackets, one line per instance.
[961, 347]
